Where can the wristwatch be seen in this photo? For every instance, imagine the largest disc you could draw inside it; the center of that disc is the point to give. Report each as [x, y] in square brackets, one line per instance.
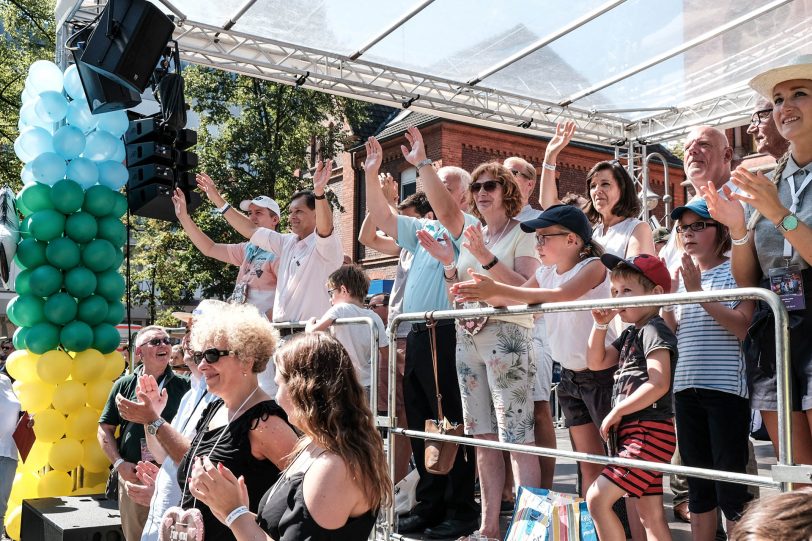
[423, 163]
[788, 223]
[152, 428]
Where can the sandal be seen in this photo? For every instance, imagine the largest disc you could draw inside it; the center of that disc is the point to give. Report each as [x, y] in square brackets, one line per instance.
[681, 512]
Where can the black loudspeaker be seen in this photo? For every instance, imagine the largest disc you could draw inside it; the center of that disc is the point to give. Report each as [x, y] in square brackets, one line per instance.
[71, 518]
[155, 201]
[127, 42]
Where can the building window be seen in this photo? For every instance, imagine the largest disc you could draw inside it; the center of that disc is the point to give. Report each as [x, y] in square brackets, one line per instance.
[408, 182]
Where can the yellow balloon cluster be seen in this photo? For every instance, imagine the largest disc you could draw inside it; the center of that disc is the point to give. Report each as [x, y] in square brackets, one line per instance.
[64, 393]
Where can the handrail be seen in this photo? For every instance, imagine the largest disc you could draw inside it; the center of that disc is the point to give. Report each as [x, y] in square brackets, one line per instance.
[647, 185]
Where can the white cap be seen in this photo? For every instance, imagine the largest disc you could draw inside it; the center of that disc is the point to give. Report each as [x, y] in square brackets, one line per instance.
[204, 306]
[262, 201]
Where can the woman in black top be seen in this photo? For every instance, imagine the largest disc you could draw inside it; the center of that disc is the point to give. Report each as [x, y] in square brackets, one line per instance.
[338, 481]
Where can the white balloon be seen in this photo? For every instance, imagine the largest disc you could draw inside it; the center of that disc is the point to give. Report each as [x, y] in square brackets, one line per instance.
[33, 141]
[44, 75]
[27, 95]
[27, 175]
[29, 117]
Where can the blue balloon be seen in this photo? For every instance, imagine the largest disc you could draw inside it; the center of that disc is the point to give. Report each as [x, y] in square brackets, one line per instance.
[29, 117]
[32, 142]
[73, 84]
[27, 175]
[113, 174]
[120, 154]
[27, 95]
[100, 145]
[44, 76]
[69, 142]
[51, 106]
[83, 171]
[79, 115]
[115, 122]
[48, 168]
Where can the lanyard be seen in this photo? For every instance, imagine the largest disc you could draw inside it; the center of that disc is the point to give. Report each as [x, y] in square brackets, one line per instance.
[796, 199]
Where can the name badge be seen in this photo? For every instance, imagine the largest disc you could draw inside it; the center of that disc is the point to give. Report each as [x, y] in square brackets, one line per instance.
[787, 282]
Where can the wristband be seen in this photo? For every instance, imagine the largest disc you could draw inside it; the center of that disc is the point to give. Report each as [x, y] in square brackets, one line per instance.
[548, 167]
[234, 515]
[492, 264]
[320, 197]
[422, 163]
[670, 308]
[222, 210]
[742, 241]
[118, 463]
[450, 266]
[600, 326]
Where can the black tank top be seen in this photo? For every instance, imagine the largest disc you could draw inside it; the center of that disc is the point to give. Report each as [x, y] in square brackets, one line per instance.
[234, 451]
[284, 516]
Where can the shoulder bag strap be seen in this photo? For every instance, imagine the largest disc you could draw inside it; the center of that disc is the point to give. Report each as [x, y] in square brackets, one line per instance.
[431, 325]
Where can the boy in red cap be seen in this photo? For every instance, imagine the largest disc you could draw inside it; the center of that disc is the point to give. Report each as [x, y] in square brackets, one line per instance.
[640, 424]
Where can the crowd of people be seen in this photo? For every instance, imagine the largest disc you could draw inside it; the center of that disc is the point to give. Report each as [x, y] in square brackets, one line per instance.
[272, 434]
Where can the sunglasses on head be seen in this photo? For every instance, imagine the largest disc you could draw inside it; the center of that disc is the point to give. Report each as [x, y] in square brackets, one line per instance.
[159, 341]
[489, 185]
[212, 355]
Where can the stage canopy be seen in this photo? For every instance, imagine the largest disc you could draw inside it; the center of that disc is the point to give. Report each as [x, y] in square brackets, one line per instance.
[626, 71]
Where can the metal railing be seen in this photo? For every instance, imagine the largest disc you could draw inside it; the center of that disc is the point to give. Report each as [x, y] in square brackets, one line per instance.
[783, 474]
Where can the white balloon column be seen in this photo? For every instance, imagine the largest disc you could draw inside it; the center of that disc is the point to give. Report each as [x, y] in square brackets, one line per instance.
[69, 289]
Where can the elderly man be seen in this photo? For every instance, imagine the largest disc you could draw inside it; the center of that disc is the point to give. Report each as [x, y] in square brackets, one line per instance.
[152, 348]
[764, 131]
[446, 506]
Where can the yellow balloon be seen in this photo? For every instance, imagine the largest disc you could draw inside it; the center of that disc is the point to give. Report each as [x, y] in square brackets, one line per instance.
[34, 396]
[22, 365]
[83, 424]
[24, 488]
[69, 396]
[66, 454]
[94, 459]
[54, 483]
[54, 366]
[99, 488]
[88, 365]
[84, 491]
[13, 520]
[38, 456]
[114, 363]
[49, 425]
[97, 393]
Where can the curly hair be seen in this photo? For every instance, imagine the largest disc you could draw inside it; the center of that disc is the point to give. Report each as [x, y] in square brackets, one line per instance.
[780, 517]
[628, 206]
[511, 194]
[328, 398]
[238, 327]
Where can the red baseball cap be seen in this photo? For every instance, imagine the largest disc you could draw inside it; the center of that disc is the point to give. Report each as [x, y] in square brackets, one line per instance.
[650, 266]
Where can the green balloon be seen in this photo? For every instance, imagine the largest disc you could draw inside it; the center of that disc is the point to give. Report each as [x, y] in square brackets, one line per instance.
[76, 336]
[45, 280]
[119, 259]
[31, 253]
[62, 253]
[98, 255]
[26, 310]
[81, 227]
[99, 200]
[67, 196]
[80, 282]
[110, 285]
[18, 339]
[112, 229]
[25, 227]
[115, 313]
[119, 206]
[22, 284]
[42, 337]
[106, 338]
[36, 197]
[25, 211]
[47, 224]
[92, 310]
[60, 308]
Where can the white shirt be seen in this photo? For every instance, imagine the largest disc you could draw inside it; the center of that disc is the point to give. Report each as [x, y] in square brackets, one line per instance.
[304, 265]
[9, 414]
[355, 337]
[615, 239]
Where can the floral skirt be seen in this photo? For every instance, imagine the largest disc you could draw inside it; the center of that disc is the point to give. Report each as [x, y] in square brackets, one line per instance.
[496, 369]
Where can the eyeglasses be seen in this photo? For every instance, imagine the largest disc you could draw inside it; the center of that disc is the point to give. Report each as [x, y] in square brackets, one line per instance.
[158, 341]
[376, 305]
[760, 116]
[211, 355]
[696, 226]
[489, 185]
[516, 172]
[542, 239]
[330, 291]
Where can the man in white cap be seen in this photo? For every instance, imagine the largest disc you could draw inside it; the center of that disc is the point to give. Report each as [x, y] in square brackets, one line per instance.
[256, 280]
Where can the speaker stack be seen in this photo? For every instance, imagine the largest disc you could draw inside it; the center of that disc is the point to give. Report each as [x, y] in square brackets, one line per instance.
[72, 518]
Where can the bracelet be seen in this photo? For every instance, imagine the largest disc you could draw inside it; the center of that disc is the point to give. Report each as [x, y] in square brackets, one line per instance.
[600, 326]
[450, 266]
[670, 308]
[742, 241]
[222, 210]
[548, 167]
[320, 197]
[423, 163]
[118, 463]
[492, 264]
[452, 277]
[234, 515]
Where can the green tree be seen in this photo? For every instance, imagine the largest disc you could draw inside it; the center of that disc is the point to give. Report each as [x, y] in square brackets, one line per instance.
[29, 32]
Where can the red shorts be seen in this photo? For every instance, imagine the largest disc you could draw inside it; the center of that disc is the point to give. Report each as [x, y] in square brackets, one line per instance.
[654, 441]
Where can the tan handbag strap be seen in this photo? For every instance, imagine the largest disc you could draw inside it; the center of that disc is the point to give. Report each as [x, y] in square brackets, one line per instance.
[431, 325]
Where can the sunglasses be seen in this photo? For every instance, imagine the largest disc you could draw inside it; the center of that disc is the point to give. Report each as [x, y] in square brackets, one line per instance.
[760, 116]
[517, 173]
[489, 185]
[696, 226]
[158, 341]
[212, 355]
[542, 239]
[376, 305]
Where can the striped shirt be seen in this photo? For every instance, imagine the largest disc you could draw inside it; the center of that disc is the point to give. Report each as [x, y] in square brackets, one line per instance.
[710, 357]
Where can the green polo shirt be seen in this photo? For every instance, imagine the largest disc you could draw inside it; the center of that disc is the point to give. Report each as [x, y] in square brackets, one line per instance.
[130, 444]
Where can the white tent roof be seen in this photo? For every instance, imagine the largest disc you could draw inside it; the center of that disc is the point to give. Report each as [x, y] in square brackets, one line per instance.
[624, 70]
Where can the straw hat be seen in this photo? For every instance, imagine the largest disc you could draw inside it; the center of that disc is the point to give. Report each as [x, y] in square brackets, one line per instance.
[799, 68]
[204, 306]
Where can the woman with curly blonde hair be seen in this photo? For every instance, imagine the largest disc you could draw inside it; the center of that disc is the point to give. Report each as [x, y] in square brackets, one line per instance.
[338, 477]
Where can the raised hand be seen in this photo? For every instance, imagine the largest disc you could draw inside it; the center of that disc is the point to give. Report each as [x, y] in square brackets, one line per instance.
[725, 209]
[442, 250]
[475, 243]
[691, 275]
[563, 136]
[324, 169]
[206, 185]
[217, 487]
[416, 151]
[479, 288]
[374, 158]
[389, 187]
[760, 193]
[148, 393]
[179, 202]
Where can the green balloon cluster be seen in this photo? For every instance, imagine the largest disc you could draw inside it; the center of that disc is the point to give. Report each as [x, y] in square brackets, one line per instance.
[69, 289]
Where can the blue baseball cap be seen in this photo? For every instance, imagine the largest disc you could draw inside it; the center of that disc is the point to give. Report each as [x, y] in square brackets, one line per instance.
[567, 216]
[697, 206]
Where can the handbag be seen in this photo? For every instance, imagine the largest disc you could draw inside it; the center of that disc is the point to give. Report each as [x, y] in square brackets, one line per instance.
[439, 455]
[24, 435]
[543, 515]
